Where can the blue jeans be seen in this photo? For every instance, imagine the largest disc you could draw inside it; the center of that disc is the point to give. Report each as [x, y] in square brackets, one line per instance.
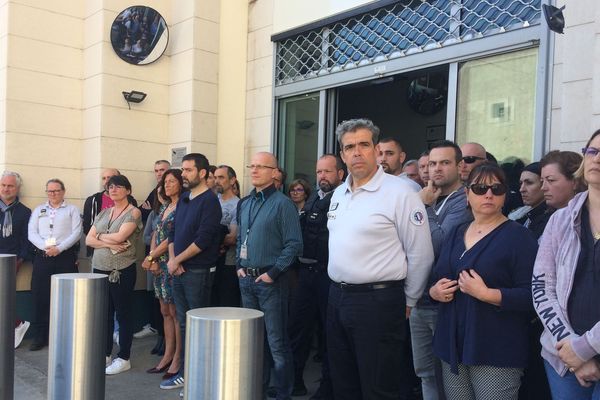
[427, 366]
[272, 300]
[191, 290]
[568, 388]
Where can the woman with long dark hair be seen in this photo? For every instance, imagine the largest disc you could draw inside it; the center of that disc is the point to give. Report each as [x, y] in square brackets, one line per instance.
[170, 187]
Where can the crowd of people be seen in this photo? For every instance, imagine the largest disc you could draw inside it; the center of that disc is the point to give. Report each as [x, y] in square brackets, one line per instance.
[477, 277]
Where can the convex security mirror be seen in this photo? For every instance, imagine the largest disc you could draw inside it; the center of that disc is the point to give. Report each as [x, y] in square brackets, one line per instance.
[139, 35]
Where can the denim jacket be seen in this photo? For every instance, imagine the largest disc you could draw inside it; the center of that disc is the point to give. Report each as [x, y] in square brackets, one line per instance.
[552, 282]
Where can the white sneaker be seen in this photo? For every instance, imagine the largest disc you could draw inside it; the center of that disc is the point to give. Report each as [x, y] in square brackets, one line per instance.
[117, 366]
[146, 331]
[20, 332]
[108, 361]
[116, 337]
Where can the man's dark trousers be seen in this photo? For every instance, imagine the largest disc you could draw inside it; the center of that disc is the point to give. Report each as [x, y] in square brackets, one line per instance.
[43, 269]
[309, 306]
[366, 330]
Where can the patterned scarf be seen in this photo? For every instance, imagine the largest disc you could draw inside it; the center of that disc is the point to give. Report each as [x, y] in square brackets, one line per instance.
[7, 227]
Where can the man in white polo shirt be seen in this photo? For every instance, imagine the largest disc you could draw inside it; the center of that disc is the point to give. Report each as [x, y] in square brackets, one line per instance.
[380, 255]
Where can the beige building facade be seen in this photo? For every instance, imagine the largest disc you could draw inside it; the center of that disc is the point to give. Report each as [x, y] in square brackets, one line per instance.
[227, 85]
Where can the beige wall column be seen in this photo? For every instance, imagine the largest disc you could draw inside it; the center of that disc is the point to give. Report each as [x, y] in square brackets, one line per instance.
[193, 76]
[259, 89]
[41, 97]
[576, 78]
[113, 135]
[231, 124]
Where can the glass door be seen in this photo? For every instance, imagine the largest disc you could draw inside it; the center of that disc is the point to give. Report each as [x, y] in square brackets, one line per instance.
[496, 104]
[299, 131]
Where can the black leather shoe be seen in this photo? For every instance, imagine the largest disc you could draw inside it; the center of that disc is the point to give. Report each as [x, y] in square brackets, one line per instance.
[35, 346]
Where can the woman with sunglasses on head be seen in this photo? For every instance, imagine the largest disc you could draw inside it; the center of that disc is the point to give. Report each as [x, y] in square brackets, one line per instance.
[483, 280]
[170, 188]
[566, 288]
[114, 236]
[299, 190]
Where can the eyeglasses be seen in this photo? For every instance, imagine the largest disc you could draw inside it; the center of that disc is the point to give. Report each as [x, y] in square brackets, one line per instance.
[53, 191]
[259, 167]
[590, 151]
[480, 189]
[471, 159]
[115, 187]
[297, 190]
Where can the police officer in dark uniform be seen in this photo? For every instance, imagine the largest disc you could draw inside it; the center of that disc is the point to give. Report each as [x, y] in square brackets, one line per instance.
[310, 302]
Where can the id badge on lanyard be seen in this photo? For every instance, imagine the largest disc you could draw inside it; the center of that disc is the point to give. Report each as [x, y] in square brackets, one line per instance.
[244, 247]
[51, 241]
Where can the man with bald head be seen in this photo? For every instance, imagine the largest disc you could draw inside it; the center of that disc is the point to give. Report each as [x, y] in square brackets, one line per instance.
[473, 154]
[268, 241]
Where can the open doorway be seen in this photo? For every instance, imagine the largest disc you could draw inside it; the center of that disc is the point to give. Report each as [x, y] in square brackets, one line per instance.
[410, 107]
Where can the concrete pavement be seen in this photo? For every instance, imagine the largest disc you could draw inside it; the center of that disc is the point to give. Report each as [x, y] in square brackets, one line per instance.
[31, 375]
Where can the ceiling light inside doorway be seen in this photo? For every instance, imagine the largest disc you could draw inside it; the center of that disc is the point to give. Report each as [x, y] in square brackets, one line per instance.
[381, 81]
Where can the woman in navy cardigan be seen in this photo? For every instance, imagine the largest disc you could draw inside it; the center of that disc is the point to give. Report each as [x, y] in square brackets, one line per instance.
[483, 284]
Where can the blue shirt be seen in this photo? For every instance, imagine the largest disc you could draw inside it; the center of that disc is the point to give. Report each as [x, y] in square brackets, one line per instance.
[471, 332]
[197, 221]
[270, 228]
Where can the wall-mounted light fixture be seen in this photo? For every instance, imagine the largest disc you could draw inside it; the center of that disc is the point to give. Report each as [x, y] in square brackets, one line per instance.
[554, 18]
[134, 97]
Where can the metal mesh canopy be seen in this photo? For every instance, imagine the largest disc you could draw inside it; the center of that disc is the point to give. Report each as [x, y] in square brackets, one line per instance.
[398, 30]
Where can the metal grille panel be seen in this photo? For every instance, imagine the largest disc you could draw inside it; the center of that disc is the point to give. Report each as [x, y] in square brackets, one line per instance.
[398, 30]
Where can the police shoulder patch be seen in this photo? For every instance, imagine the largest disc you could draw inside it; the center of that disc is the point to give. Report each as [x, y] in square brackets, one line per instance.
[417, 217]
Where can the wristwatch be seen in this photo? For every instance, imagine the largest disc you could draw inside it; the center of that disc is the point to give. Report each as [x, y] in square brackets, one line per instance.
[149, 258]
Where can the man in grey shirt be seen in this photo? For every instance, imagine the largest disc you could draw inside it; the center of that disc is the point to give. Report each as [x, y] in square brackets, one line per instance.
[226, 287]
[446, 206]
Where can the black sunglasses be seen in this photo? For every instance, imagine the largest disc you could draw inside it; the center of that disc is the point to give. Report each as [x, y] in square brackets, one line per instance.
[471, 159]
[480, 189]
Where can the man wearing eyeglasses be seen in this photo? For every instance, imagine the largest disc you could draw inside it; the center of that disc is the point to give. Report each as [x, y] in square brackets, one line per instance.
[473, 154]
[268, 241]
[380, 256]
[446, 204]
[54, 229]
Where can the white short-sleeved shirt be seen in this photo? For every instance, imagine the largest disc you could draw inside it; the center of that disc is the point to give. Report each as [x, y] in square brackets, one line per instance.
[379, 232]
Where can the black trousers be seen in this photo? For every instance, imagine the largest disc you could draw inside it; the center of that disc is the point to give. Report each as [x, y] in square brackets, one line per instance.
[226, 286]
[120, 300]
[366, 332]
[43, 269]
[309, 306]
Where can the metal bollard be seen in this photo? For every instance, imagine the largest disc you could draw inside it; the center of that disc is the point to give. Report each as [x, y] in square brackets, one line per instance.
[224, 354]
[8, 269]
[78, 324]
